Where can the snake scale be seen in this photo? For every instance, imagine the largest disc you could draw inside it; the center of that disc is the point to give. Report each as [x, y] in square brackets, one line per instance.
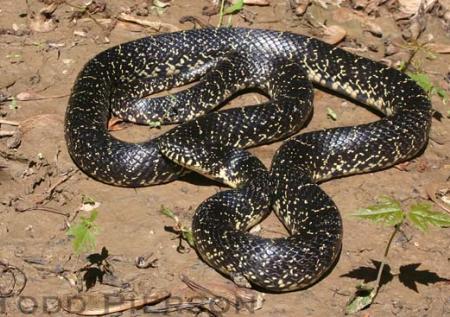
[222, 62]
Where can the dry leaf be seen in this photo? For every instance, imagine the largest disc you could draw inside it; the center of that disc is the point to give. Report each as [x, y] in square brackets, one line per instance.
[373, 28]
[333, 34]
[44, 20]
[412, 7]
[302, 6]
[115, 124]
[439, 193]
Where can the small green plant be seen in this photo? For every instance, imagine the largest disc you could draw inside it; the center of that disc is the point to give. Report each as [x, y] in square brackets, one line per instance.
[154, 124]
[183, 232]
[229, 10]
[331, 114]
[389, 212]
[13, 105]
[425, 82]
[85, 231]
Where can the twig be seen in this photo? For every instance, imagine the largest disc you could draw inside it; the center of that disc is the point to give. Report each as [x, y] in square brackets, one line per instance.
[9, 122]
[48, 209]
[49, 192]
[6, 133]
[152, 24]
[62, 180]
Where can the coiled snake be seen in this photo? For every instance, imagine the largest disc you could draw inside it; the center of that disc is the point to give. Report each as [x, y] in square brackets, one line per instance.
[225, 61]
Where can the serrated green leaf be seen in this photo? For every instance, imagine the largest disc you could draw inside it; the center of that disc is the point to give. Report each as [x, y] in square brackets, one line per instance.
[363, 297]
[386, 210]
[422, 217]
[422, 80]
[235, 7]
[84, 233]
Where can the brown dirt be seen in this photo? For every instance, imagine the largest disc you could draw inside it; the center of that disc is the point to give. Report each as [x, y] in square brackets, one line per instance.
[131, 225]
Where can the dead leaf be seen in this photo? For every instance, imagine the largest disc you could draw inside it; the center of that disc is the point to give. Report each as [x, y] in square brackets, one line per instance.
[115, 124]
[333, 34]
[439, 193]
[14, 141]
[91, 304]
[412, 7]
[302, 6]
[373, 28]
[359, 4]
[403, 166]
[44, 21]
[325, 3]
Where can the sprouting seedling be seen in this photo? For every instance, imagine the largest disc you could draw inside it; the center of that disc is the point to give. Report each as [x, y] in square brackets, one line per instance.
[232, 9]
[184, 232]
[389, 212]
[84, 232]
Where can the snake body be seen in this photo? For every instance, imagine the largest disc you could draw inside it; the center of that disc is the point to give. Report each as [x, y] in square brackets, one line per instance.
[224, 61]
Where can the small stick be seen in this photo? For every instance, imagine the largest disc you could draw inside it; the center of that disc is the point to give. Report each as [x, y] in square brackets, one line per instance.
[6, 133]
[9, 122]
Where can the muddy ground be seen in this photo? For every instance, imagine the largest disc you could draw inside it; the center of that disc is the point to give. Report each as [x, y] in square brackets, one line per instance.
[41, 189]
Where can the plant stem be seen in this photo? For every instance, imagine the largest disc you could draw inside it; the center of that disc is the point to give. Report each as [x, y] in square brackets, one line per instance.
[386, 251]
[222, 5]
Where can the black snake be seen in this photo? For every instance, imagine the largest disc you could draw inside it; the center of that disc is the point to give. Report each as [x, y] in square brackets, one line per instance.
[225, 61]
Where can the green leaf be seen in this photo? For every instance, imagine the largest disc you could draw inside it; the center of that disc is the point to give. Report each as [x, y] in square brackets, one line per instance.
[154, 124]
[387, 210]
[235, 7]
[402, 66]
[13, 105]
[421, 216]
[86, 200]
[422, 80]
[441, 92]
[167, 212]
[188, 236]
[363, 297]
[84, 233]
[331, 114]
